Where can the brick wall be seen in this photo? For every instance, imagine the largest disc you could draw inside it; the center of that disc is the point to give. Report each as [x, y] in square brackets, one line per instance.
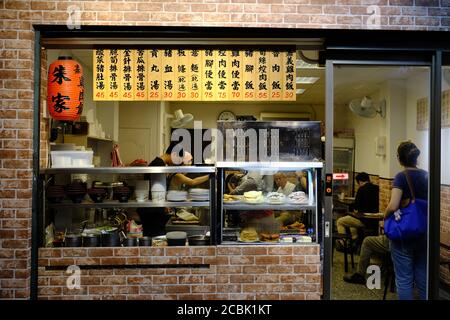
[236, 272]
[16, 75]
[385, 192]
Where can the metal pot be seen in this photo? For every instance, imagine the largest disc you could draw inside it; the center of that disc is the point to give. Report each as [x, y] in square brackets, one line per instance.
[176, 238]
[91, 240]
[145, 241]
[72, 240]
[130, 242]
[198, 240]
[110, 239]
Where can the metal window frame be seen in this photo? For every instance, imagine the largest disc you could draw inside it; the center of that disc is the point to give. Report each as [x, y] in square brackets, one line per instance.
[368, 42]
[432, 60]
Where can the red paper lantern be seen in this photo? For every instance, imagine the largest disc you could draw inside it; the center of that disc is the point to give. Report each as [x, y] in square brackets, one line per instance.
[65, 92]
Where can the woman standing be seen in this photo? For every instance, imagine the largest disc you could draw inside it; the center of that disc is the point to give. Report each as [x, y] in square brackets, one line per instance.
[409, 257]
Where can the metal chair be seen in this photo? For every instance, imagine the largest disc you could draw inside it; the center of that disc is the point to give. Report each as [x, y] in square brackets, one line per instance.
[347, 241]
[389, 281]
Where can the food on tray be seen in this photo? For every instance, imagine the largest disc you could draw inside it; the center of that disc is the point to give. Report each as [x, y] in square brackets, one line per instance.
[269, 237]
[231, 198]
[185, 222]
[298, 197]
[186, 215]
[275, 197]
[253, 197]
[248, 235]
[297, 226]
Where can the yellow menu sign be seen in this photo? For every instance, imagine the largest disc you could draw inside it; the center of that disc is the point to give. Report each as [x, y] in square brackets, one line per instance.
[235, 72]
[262, 76]
[289, 76]
[181, 75]
[99, 81]
[249, 71]
[112, 62]
[275, 75]
[169, 65]
[194, 74]
[127, 89]
[140, 74]
[154, 74]
[209, 77]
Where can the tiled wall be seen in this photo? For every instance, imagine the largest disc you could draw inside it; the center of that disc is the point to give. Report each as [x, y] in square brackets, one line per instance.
[235, 272]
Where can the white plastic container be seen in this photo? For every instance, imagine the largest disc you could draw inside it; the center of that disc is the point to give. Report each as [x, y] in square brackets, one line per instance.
[158, 196]
[72, 159]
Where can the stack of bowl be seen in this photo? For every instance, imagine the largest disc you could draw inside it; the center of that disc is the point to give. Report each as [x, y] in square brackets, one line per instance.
[55, 193]
[76, 191]
[122, 193]
[97, 194]
[142, 190]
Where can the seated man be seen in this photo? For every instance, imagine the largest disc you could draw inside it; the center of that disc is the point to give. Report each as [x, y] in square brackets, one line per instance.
[284, 186]
[373, 245]
[366, 201]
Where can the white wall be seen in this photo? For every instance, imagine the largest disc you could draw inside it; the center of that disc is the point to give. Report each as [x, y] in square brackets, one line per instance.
[366, 129]
[445, 147]
[395, 93]
[139, 130]
[393, 127]
[418, 87]
[400, 124]
[209, 112]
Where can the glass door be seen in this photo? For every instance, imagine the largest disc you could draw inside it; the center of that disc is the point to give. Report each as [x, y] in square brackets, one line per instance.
[444, 225]
[385, 108]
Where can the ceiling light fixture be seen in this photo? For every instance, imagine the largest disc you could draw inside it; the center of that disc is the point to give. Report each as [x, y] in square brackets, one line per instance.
[307, 80]
[305, 65]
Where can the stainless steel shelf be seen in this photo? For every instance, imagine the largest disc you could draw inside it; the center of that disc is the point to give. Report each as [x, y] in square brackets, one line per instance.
[266, 243]
[270, 165]
[130, 170]
[129, 204]
[264, 206]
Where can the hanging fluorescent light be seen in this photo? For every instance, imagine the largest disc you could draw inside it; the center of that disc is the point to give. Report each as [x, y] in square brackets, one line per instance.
[307, 80]
[300, 91]
[305, 65]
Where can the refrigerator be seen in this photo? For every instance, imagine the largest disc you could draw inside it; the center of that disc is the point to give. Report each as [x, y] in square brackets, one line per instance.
[343, 164]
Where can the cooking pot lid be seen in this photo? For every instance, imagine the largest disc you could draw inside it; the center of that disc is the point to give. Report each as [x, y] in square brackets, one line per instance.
[176, 235]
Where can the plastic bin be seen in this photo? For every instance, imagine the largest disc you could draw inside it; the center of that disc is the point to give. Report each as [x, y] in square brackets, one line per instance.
[71, 159]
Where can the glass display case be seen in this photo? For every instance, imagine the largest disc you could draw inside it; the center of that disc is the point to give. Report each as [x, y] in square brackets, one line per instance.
[260, 203]
[72, 206]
